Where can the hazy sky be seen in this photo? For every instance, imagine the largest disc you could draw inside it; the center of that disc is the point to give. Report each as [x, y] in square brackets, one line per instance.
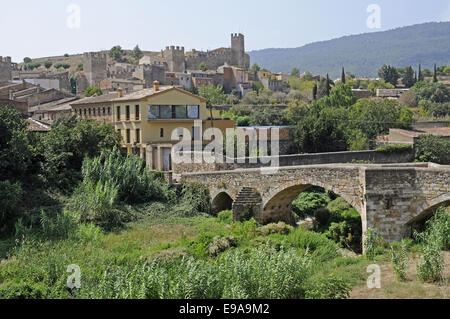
[45, 28]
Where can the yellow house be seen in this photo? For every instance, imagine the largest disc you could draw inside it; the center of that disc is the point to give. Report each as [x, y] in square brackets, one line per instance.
[147, 118]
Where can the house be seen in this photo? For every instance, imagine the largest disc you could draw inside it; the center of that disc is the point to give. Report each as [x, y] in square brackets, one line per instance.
[148, 118]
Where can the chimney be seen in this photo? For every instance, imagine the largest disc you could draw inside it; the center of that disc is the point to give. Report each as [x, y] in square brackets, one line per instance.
[119, 92]
[155, 86]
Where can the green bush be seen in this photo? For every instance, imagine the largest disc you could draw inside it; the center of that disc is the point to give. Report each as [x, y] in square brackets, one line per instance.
[280, 228]
[10, 199]
[221, 244]
[329, 287]
[96, 203]
[225, 217]
[318, 244]
[434, 149]
[308, 202]
[394, 149]
[400, 262]
[128, 174]
[371, 243]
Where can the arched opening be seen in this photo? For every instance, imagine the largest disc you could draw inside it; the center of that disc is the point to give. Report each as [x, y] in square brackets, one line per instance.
[319, 210]
[418, 223]
[221, 202]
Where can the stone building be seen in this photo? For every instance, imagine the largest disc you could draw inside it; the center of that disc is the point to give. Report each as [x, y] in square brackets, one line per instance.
[95, 67]
[178, 60]
[6, 68]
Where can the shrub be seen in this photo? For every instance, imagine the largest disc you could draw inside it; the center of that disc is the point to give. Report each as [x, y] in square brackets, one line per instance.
[394, 149]
[308, 202]
[96, 203]
[400, 262]
[370, 244]
[225, 217]
[280, 228]
[10, 198]
[329, 287]
[434, 149]
[221, 244]
[196, 196]
[128, 174]
[318, 244]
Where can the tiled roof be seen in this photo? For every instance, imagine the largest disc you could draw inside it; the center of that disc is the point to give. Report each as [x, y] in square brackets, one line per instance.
[36, 126]
[96, 99]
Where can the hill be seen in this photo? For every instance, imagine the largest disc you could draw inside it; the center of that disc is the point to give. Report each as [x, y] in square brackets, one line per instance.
[364, 54]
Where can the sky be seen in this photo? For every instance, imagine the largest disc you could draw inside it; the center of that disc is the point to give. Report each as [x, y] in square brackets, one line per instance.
[55, 27]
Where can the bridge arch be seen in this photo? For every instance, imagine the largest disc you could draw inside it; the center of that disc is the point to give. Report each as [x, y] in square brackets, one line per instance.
[427, 210]
[221, 201]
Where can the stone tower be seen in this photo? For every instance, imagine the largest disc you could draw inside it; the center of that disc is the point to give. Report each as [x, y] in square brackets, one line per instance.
[5, 69]
[238, 56]
[94, 65]
[174, 57]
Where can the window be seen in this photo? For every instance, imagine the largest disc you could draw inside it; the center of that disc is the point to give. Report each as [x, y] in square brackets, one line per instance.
[93, 110]
[118, 113]
[89, 112]
[138, 116]
[127, 115]
[161, 133]
[128, 136]
[165, 112]
[104, 111]
[138, 135]
[109, 110]
[80, 112]
[153, 112]
[193, 111]
[85, 112]
[180, 112]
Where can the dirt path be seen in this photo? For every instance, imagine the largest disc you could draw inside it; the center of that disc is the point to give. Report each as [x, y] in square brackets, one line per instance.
[391, 288]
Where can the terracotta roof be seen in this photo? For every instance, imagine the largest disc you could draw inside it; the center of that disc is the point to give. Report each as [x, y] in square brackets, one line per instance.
[438, 131]
[142, 94]
[96, 99]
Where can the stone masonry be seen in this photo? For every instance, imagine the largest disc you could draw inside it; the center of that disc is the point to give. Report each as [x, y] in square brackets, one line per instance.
[390, 198]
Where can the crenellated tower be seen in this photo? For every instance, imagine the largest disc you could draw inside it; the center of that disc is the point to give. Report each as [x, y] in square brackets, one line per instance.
[174, 56]
[95, 68]
[238, 56]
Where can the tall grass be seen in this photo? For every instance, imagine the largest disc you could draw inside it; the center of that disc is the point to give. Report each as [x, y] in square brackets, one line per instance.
[235, 274]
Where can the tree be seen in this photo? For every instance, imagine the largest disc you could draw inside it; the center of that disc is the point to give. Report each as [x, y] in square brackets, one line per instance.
[267, 116]
[66, 66]
[255, 68]
[434, 149]
[137, 53]
[341, 95]
[80, 67]
[409, 99]
[202, 66]
[48, 64]
[116, 53]
[433, 92]
[389, 74]
[420, 77]
[68, 143]
[214, 94]
[314, 94]
[435, 79]
[27, 60]
[257, 86]
[328, 85]
[408, 79]
[343, 76]
[295, 72]
[91, 90]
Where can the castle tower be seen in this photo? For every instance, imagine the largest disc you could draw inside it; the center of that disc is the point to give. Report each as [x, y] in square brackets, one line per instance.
[5, 69]
[238, 56]
[175, 59]
[94, 65]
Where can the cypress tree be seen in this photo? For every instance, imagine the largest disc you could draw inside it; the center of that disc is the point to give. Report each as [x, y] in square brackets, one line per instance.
[420, 78]
[343, 76]
[435, 79]
[328, 85]
[315, 91]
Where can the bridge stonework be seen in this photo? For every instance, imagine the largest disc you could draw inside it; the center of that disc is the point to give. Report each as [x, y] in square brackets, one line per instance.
[389, 198]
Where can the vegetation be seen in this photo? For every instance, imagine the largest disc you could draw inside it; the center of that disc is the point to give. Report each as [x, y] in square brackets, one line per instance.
[434, 149]
[116, 53]
[91, 90]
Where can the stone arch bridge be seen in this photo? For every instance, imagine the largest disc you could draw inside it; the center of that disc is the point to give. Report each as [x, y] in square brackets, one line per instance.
[389, 198]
